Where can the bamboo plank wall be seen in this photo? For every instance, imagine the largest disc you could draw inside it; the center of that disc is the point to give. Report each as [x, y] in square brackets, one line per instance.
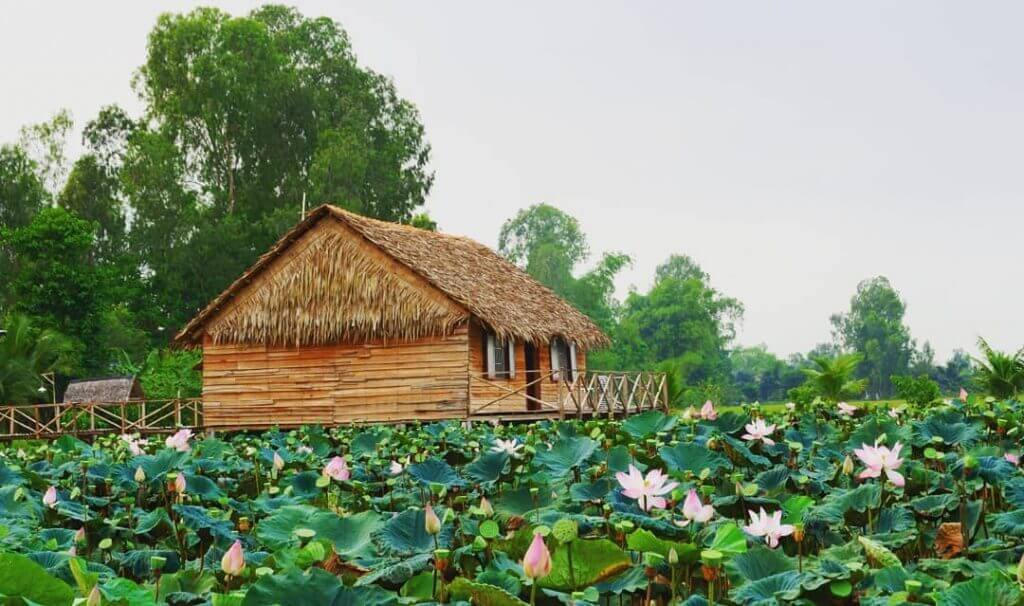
[247, 386]
[481, 393]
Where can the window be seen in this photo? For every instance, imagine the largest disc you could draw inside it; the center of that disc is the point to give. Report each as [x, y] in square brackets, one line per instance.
[563, 360]
[500, 357]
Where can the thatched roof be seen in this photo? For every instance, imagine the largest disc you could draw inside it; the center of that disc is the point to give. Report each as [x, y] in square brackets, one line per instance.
[107, 389]
[424, 283]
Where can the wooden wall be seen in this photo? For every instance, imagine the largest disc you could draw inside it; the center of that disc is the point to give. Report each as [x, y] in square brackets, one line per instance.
[258, 386]
[482, 393]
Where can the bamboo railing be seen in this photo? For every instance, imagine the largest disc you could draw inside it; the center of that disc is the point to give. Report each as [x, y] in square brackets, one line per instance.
[94, 418]
[589, 393]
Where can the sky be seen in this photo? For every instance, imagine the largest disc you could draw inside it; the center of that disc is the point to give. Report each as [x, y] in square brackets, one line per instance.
[792, 148]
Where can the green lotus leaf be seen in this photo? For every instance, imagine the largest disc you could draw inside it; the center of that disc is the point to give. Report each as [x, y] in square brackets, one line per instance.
[649, 423]
[22, 578]
[694, 458]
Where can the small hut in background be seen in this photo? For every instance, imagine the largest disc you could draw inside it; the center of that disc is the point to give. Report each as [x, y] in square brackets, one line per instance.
[351, 319]
[105, 389]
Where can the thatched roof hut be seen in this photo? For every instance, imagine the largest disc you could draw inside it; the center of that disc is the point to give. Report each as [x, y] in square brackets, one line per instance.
[332, 294]
[106, 389]
[347, 318]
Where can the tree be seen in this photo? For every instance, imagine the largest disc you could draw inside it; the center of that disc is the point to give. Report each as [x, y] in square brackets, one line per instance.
[682, 324]
[1000, 374]
[956, 373]
[46, 144]
[760, 375]
[874, 328]
[55, 282]
[832, 379]
[26, 353]
[549, 245]
[22, 194]
[92, 194]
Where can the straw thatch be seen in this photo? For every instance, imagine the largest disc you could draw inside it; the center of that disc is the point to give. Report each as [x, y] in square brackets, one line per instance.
[330, 294]
[107, 389]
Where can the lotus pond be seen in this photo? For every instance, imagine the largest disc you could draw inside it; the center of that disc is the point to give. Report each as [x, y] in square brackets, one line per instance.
[815, 505]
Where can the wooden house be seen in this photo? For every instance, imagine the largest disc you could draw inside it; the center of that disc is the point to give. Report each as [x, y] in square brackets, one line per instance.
[350, 319]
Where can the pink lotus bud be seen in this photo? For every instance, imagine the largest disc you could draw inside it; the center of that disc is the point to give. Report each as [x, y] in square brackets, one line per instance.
[431, 522]
[140, 476]
[80, 535]
[179, 484]
[95, 598]
[337, 469]
[233, 562]
[50, 497]
[485, 507]
[278, 462]
[963, 394]
[537, 561]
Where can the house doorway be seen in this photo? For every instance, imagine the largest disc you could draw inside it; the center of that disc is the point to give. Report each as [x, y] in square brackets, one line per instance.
[532, 375]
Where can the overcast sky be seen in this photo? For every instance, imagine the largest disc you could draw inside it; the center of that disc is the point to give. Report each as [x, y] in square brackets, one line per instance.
[792, 148]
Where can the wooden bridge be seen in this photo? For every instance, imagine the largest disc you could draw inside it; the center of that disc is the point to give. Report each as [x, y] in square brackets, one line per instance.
[588, 394]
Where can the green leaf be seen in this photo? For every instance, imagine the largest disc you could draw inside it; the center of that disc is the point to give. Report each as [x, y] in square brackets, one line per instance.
[351, 535]
[991, 590]
[593, 561]
[773, 589]
[644, 540]
[565, 455]
[406, 534]
[878, 553]
[649, 423]
[488, 467]
[694, 458]
[317, 587]
[729, 539]
[20, 577]
[482, 594]
[758, 563]
[435, 471]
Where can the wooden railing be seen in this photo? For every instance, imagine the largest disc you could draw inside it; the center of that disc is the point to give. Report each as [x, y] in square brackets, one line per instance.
[586, 394]
[94, 418]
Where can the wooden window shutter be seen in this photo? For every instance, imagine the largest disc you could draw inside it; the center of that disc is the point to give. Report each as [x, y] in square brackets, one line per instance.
[572, 361]
[510, 347]
[553, 348]
[490, 355]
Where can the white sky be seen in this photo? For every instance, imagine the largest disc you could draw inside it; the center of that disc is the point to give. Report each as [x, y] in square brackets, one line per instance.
[792, 148]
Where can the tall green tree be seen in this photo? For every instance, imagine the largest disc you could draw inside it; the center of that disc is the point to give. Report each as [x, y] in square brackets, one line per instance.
[549, 244]
[874, 327]
[55, 281]
[245, 115]
[998, 373]
[22, 194]
[682, 324]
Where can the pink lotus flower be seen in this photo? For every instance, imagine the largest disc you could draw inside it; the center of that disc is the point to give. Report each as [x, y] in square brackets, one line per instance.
[1012, 458]
[963, 394]
[134, 443]
[846, 410]
[768, 526]
[278, 462]
[878, 459]
[337, 469]
[694, 510]
[179, 484]
[648, 490]
[759, 430]
[50, 497]
[179, 441]
[537, 561]
[233, 562]
[708, 412]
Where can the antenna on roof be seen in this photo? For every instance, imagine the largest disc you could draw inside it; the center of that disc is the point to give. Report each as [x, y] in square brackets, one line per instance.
[303, 215]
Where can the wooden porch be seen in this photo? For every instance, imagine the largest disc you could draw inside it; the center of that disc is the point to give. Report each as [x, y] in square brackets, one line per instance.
[588, 394]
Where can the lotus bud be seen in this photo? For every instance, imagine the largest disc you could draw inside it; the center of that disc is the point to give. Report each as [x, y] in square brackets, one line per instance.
[80, 535]
[485, 507]
[537, 561]
[431, 522]
[798, 533]
[140, 476]
[50, 497]
[278, 462]
[847, 465]
[179, 484]
[233, 562]
[95, 598]
[673, 556]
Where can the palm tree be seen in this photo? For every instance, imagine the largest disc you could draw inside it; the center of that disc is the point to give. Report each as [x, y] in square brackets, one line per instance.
[25, 355]
[1000, 374]
[832, 378]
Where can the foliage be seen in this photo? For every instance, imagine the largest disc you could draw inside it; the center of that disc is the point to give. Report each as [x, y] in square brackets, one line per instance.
[833, 379]
[26, 353]
[920, 390]
[874, 328]
[998, 373]
[365, 540]
[167, 373]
